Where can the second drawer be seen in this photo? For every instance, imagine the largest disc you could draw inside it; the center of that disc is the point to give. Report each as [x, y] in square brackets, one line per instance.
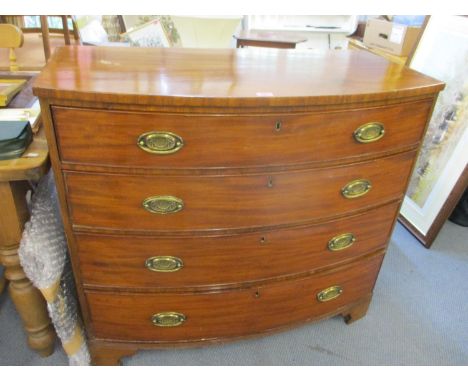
[195, 203]
[187, 261]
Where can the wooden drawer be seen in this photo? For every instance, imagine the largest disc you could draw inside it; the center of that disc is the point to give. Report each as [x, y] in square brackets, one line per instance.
[119, 261]
[224, 202]
[218, 141]
[230, 313]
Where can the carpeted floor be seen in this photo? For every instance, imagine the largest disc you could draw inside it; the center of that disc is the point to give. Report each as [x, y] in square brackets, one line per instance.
[419, 316]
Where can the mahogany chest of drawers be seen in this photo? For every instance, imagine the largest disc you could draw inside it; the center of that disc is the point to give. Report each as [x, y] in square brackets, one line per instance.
[209, 195]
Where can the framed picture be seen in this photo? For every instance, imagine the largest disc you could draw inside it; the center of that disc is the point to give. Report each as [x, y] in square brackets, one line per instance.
[441, 173]
[159, 31]
[150, 34]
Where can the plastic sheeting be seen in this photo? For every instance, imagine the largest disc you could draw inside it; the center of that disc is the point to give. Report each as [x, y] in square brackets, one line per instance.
[44, 257]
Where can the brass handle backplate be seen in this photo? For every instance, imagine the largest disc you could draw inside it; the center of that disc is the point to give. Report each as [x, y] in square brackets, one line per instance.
[160, 142]
[329, 293]
[341, 242]
[163, 204]
[164, 264]
[168, 319]
[356, 188]
[370, 132]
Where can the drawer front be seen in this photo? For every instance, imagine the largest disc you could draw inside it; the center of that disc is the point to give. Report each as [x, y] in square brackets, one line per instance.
[139, 261]
[231, 313]
[223, 202]
[219, 141]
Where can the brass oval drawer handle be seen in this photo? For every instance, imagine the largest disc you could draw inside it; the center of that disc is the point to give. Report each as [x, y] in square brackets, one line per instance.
[340, 242]
[370, 132]
[164, 264]
[330, 293]
[160, 142]
[168, 319]
[356, 188]
[163, 204]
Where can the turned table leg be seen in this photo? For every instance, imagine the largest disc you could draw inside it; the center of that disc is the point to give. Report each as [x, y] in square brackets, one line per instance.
[28, 300]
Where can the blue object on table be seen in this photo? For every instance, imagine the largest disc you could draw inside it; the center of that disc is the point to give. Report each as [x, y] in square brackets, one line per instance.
[409, 20]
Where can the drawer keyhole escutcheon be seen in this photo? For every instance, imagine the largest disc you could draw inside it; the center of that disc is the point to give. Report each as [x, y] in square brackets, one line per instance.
[168, 319]
[356, 188]
[164, 264]
[270, 182]
[329, 293]
[370, 132]
[278, 126]
[160, 142]
[163, 204]
[340, 242]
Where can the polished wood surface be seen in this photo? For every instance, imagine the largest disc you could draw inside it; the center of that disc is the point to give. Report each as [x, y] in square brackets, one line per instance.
[232, 202]
[232, 313]
[226, 77]
[113, 261]
[215, 141]
[260, 202]
[110, 353]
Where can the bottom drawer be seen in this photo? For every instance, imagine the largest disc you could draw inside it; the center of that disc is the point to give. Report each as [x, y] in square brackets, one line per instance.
[229, 313]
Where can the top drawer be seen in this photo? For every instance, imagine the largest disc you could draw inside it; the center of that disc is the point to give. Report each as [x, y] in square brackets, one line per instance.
[221, 141]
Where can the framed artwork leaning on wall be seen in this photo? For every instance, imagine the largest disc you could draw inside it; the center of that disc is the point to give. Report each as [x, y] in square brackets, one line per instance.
[441, 173]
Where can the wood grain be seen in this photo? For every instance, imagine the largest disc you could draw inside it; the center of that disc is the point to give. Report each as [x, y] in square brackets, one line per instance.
[216, 141]
[231, 202]
[226, 77]
[220, 261]
[233, 313]
[260, 202]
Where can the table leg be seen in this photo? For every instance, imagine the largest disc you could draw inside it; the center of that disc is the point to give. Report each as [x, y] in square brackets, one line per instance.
[28, 300]
[45, 36]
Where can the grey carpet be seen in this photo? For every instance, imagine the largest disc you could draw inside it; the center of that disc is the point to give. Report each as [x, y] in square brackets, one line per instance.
[419, 316]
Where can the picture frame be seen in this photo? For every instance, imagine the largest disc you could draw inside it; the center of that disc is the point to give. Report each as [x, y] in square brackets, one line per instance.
[441, 173]
[149, 34]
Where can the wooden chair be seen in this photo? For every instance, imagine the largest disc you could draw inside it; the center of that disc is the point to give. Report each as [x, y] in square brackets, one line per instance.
[11, 37]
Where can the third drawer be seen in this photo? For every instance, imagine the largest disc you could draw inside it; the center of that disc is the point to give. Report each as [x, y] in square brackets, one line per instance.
[123, 261]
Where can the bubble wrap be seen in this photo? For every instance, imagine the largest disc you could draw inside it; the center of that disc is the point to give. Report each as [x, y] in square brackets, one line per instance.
[44, 258]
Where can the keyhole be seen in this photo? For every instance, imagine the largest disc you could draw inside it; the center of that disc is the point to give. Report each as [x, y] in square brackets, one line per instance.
[257, 294]
[278, 126]
[270, 182]
[263, 240]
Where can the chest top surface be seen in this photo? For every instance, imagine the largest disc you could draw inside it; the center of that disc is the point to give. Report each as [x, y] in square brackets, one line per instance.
[230, 77]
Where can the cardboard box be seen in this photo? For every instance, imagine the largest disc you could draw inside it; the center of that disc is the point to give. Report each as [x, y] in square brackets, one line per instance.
[394, 38]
